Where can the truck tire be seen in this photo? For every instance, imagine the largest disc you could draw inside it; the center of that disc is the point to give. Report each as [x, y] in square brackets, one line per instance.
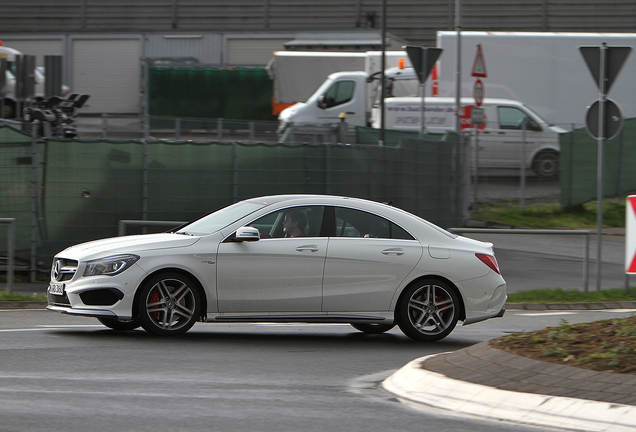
[8, 110]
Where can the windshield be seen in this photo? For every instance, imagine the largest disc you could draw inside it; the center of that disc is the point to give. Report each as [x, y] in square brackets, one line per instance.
[221, 218]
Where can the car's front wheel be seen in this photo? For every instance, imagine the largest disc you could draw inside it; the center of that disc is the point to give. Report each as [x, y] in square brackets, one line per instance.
[168, 304]
[428, 311]
[373, 328]
[120, 325]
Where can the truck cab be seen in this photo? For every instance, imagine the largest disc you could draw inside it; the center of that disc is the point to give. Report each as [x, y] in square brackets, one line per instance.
[10, 102]
[342, 92]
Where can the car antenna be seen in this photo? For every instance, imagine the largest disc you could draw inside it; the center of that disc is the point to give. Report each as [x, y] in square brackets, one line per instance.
[389, 202]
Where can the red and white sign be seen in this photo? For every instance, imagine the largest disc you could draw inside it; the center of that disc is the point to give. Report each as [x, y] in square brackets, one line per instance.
[479, 67]
[630, 235]
[478, 92]
[466, 115]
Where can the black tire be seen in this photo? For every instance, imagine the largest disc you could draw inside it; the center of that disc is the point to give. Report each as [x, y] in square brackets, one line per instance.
[168, 304]
[8, 109]
[120, 325]
[546, 165]
[372, 328]
[428, 311]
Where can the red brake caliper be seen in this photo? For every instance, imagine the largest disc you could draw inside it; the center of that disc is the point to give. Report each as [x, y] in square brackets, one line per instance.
[154, 298]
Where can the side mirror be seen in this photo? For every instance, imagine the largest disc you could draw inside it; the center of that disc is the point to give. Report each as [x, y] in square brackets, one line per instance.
[321, 102]
[247, 234]
[532, 125]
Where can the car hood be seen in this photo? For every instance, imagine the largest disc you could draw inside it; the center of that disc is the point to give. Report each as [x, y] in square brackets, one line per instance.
[127, 244]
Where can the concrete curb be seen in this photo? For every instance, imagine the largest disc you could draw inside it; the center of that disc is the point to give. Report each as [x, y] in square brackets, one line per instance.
[431, 389]
[572, 306]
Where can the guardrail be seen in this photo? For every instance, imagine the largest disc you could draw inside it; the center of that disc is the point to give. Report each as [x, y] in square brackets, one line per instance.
[124, 223]
[10, 251]
[586, 262]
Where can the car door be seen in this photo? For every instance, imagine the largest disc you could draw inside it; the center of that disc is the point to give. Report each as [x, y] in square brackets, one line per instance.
[276, 273]
[367, 260]
[502, 146]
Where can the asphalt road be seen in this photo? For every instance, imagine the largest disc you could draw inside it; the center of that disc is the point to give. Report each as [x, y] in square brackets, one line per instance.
[72, 374]
[529, 261]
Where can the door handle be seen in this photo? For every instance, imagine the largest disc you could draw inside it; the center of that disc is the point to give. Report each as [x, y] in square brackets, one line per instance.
[396, 251]
[310, 248]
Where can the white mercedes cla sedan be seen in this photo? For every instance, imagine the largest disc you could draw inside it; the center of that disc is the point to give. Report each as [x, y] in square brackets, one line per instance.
[285, 258]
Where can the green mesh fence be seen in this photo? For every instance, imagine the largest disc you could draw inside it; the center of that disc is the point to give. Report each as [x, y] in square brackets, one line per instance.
[578, 163]
[84, 188]
[240, 93]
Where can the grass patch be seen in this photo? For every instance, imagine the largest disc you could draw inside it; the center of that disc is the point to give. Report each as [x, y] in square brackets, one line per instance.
[559, 295]
[5, 296]
[551, 215]
[606, 345]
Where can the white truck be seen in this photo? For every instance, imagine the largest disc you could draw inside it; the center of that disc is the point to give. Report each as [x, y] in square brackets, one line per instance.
[512, 132]
[544, 70]
[296, 74]
[10, 102]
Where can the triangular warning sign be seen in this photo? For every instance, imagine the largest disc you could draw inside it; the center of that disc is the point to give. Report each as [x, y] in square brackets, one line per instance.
[479, 67]
[630, 235]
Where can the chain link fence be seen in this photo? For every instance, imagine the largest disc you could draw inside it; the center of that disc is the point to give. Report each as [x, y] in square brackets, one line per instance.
[63, 192]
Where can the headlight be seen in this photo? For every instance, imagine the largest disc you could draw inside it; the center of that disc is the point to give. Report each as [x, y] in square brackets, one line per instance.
[109, 266]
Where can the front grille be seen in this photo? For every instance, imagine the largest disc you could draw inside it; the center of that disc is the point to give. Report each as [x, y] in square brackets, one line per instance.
[63, 269]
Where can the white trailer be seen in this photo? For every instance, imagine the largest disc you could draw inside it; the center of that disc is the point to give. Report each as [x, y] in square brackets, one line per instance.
[544, 70]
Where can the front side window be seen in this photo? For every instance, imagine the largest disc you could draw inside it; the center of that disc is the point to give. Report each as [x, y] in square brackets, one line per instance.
[291, 222]
[513, 118]
[340, 92]
[358, 223]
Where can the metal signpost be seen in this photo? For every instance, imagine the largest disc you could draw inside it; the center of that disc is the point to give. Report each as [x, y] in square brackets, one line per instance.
[423, 60]
[477, 116]
[604, 63]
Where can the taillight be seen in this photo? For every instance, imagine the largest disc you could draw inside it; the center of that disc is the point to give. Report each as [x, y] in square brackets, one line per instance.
[490, 261]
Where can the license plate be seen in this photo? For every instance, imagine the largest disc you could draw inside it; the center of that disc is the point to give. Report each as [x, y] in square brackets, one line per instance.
[56, 288]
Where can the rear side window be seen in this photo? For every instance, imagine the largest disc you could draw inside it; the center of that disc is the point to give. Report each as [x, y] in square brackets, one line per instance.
[357, 223]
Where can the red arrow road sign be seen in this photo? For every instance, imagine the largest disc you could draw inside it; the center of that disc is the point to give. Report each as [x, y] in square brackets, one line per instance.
[479, 67]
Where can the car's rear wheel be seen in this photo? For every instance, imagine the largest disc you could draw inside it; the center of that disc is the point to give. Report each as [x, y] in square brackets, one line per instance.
[169, 304]
[120, 325]
[428, 311]
[373, 328]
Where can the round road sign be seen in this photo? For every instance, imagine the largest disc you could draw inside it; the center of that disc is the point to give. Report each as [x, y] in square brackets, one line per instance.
[478, 92]
[613, 119]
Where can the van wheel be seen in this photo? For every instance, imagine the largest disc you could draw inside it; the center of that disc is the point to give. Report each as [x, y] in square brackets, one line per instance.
[546, 164]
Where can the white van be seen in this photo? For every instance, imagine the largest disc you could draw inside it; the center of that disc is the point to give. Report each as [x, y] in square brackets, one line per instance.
[501, 138]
